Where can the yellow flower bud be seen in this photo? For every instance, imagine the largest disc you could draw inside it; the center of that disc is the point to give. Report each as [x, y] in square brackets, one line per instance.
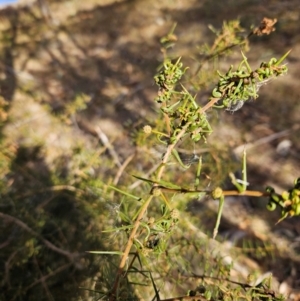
[147, 129]
[217, 193]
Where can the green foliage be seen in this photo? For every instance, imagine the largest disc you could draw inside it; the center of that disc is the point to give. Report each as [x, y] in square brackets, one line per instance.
[46, 228]
[180, 106]
[225, 289]
[230, 34]
[53, 217]
[155, 221]
[288, 201]
[236, 87]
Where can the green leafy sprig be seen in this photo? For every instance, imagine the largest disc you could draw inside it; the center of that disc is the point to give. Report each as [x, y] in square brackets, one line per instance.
[236, 87]
[288, 201]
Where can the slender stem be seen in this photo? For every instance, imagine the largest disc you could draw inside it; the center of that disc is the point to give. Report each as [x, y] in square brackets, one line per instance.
[128, 248]
[220, 210]
[144, 207]
[244, 170]
[253, 193]
[180, 134]
[169, 152]
[211, 103]
[219, 53]
[197, 180]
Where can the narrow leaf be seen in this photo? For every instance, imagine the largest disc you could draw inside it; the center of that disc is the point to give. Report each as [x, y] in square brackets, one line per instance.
[124, 192]
[106, 252]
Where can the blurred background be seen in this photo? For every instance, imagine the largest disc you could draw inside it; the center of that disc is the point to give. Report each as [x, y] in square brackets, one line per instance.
[76, 84]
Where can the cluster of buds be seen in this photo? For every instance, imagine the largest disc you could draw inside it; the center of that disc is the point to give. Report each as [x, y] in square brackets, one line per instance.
[236, 87]
[180, 107]
[288, 201]
[167, 79]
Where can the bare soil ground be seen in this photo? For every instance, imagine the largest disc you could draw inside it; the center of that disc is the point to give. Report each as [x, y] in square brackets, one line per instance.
[57, 53]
